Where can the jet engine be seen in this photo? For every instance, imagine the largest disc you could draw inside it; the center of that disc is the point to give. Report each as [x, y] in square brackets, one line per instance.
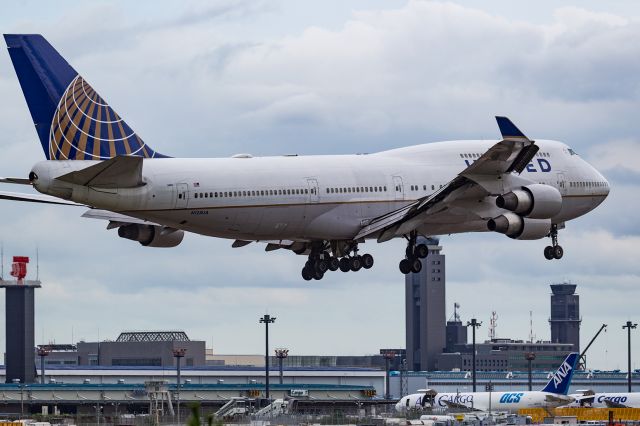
[535, 201]
[151, 235]
[520, 228]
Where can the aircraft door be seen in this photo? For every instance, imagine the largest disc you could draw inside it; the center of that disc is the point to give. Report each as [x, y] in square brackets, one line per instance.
[562, 183]
[314, 195]
[182, 195]
[398, 188]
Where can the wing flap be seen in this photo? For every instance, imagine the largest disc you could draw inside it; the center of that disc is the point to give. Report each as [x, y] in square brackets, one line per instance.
[117, 172]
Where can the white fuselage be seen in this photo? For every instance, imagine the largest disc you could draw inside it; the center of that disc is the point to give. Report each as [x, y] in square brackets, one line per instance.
[627, 399]
[483, 401]
[304, 198]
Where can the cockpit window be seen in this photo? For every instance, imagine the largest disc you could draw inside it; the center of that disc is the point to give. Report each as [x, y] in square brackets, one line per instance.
[572, 152]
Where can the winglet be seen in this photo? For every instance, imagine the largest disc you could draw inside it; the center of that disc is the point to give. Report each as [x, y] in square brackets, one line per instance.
[561, 379]
[508, 129]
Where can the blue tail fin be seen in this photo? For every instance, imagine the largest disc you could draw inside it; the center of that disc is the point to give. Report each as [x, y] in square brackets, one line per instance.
[73, 122]
[561, 379]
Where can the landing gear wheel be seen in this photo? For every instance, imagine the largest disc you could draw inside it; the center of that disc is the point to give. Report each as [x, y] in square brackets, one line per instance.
[416, 265]
[344, 265]
[322, 266]
[405, 266]
[318, 275]
[558, 252]
[355, 263]
[409, 251]
[307, 274]
[422, 251]
[334, 263]
[548, 252]
[367, 261]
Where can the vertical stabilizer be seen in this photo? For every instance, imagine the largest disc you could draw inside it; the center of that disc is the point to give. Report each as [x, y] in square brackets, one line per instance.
[561, 379]
[72, 120]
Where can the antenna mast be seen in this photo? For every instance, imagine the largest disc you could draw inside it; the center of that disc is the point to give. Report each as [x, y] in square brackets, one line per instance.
[532, 337]
[493, 323]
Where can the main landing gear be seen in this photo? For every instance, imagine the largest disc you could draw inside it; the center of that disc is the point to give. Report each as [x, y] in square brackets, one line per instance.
[554, 251]
[413, 254]
[321, 262]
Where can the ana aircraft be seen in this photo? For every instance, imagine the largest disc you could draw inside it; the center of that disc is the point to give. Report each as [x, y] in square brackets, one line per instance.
[323, 207]
[588, 398]
[554, 394]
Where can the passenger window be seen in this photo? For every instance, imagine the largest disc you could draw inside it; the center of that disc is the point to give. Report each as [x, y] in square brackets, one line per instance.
[206, 195]
[385, 188]
[180, 196]
[433, 187]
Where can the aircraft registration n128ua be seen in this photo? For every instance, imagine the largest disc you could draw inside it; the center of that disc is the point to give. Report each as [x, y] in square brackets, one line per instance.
[319, 206]
[554, 394]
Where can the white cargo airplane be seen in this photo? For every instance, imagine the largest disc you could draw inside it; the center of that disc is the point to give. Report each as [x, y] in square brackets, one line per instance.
[554, 394]
[320, 206]
[588, 398]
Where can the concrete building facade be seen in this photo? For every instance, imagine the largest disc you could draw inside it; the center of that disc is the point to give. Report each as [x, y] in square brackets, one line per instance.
[136, 349]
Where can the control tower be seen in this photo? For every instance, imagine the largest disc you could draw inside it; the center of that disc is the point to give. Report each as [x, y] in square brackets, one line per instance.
[565, 315]
[425, 310]
[20, 315]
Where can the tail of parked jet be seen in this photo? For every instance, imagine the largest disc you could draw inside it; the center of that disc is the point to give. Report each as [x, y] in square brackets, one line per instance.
[73, 122]
[561, 379]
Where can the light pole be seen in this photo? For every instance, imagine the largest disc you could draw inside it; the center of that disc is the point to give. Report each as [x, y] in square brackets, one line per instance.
[629, 326]
[266, 319]
[281, 354]
[178, 354]
[530, 356]
[474, 324]
[42, 353]
[388, 356]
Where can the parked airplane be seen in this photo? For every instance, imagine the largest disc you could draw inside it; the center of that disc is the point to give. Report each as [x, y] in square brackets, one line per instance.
[552, 395]
[320, 206]
[589, 398]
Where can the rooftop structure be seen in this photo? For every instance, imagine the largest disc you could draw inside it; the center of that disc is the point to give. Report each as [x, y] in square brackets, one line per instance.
[153, 336]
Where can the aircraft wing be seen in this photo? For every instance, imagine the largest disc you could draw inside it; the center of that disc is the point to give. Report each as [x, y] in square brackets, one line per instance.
[612, 404]
[115, 219]
[559, 399]
[35, 198]
[511, 154]
[457, 406]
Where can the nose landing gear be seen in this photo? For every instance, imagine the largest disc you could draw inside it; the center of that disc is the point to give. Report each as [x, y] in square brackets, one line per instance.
[554, 251]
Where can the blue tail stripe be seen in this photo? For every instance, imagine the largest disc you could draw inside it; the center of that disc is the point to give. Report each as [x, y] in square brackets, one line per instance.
[62, 103]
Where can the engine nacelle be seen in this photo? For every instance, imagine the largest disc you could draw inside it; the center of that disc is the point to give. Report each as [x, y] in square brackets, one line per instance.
[151, 235]
[535, 201]
[520, 228]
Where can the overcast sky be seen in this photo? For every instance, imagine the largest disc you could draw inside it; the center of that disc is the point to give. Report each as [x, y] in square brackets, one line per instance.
[215, 78]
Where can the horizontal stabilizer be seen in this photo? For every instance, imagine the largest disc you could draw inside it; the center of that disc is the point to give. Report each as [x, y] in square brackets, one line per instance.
[35, 198]
[18, 181]
[117, 172]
